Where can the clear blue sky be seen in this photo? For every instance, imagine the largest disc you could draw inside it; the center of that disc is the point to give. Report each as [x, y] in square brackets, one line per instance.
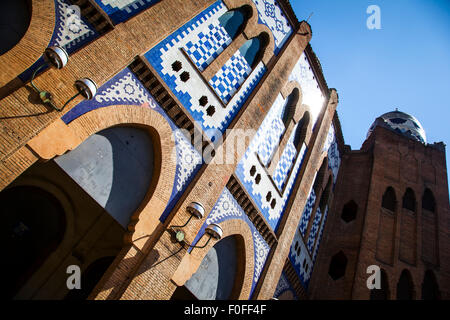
[405, 65]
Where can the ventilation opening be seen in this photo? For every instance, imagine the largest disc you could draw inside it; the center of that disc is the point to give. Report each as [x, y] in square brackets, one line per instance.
[176, 66]
[338, 265]
[184, 76]
[349, 211]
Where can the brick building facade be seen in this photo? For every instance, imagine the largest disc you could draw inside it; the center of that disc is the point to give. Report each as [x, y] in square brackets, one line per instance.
[208, 162]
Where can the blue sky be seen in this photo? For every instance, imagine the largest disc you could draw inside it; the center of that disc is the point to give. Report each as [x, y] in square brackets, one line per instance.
[404, 65]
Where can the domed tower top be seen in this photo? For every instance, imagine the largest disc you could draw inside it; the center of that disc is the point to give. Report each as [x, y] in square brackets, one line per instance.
[402, 123]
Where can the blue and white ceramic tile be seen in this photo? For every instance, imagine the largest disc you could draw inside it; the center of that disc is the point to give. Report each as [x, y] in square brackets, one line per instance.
[307, 211]
[270, 14]
[122, 10]
[301, 259]
[311, 93]
[227, 208]
[126, 89]
[71, 32]
[285, 164]
[215, 116]
[319, 237]
[283, 286]
[259, 185]
[314, 230]
[230, 77]
[210, 43]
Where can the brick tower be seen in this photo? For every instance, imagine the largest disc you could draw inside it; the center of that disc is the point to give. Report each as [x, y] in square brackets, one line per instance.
[391, 210]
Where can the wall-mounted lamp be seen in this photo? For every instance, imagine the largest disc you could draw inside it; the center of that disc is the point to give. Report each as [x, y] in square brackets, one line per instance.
[196, 210]
[214, 231]
[57, 57]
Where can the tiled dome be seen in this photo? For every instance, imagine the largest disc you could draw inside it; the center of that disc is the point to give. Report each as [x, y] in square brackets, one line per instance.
[402, 123]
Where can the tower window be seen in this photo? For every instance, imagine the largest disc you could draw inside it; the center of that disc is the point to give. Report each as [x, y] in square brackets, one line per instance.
[428, 202]
[409, 200]
[389, 199]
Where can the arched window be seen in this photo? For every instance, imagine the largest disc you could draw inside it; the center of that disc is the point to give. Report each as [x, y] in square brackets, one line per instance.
[300, 131]
[253, 49]
[320, 176]
[405, 286]
[389, 200]
[15, 17]
[430, 289]
[383, 292]
[325, 195]
[219, 276]
[32, 227]
[289, 108]
[234, 21]
[409, 200]
[428, 202]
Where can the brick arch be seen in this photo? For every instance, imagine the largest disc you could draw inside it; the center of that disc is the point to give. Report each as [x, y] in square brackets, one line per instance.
[231, 227]
[146, 218]
[253, 28]
[32, 45]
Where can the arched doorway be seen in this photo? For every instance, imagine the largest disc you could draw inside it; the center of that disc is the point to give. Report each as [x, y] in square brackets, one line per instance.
[405, 286]
[219, 276]
[430, 288]
[383, 292]
[15, 16]
[103, 182]
[32, 226]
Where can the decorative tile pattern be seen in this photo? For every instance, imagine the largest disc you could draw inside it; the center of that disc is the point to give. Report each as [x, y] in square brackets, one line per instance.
[334, 158]
[227, 208]
[126, 89]
[210, 43]
[189, 92]
[122, 10]
[319, 237]
[312, 95]
[71, 32]
[306, 215]
[272, 16]
[188, 160]
[254, 178]
[301, 259]
[283, 286]
[70, 28]
[285, 164]
[273, 133]
[314, 230]
[228, 79]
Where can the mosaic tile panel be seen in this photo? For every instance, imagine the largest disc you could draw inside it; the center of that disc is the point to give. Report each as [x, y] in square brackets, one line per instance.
[121, 10]
[182, 76]
[270, 14]
[227, 208]
[283, 286]
[71, 32]
[126, 89]
[230, 77]
[285, 164]
[314, 230]
[311, 93]
[307, 211]
[210, 43]
[252, 174]
[301, 259]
